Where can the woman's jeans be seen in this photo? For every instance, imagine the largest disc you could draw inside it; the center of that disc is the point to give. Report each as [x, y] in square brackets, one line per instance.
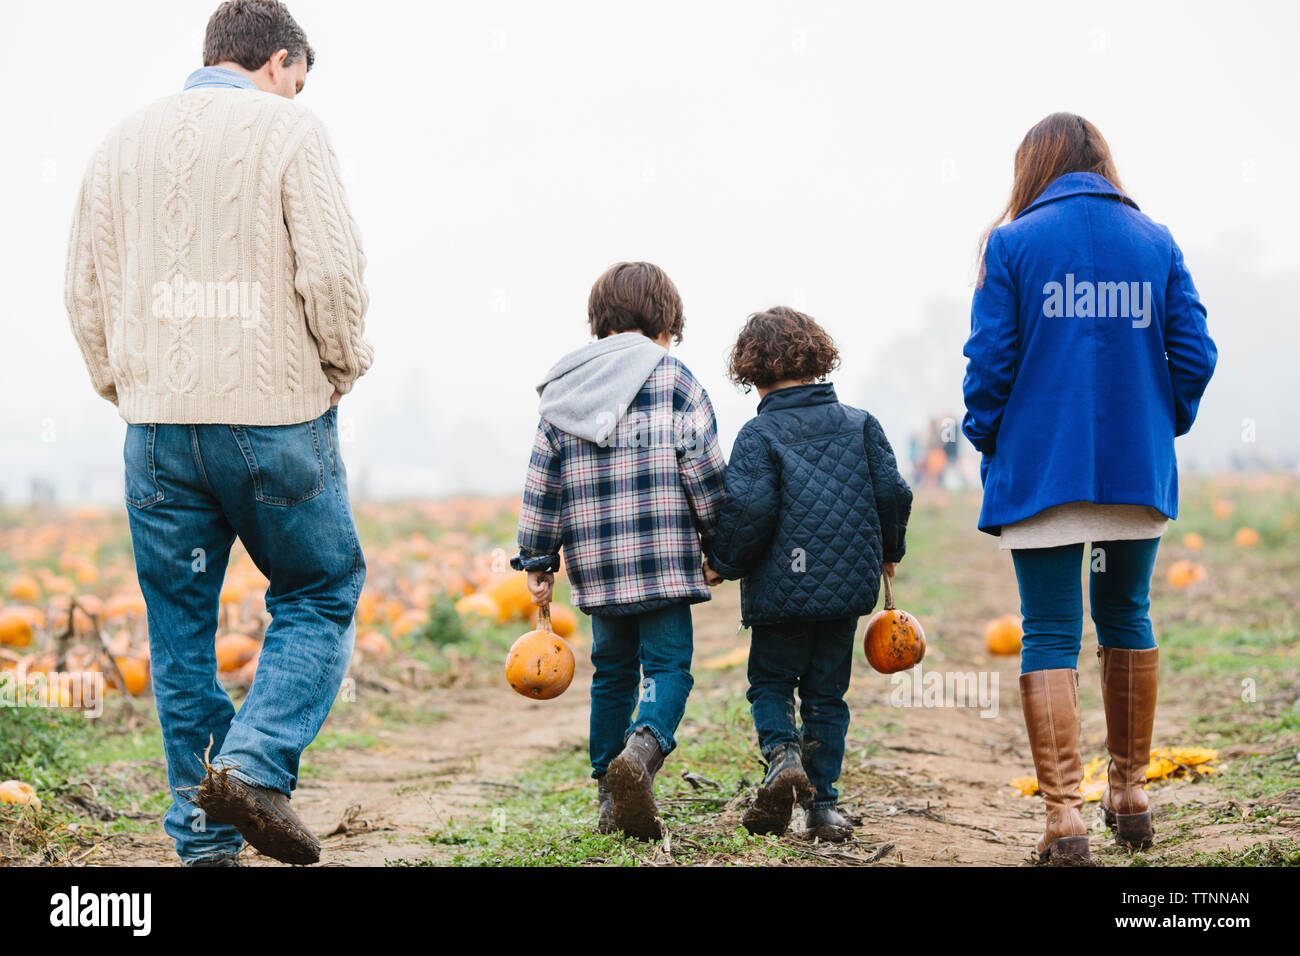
[190, 490]
[656, 644]
[1051, 599]
[816, 657]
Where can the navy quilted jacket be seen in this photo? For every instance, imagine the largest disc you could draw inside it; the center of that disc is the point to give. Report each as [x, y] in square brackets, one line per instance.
[814, 506]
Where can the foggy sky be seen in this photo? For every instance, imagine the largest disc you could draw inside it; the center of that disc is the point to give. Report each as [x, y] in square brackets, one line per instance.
[842, 158]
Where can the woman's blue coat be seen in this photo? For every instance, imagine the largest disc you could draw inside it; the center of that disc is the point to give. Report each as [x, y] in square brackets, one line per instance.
[1088, 353]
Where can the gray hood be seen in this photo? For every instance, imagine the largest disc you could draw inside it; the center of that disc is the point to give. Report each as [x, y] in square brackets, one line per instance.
[586, 392]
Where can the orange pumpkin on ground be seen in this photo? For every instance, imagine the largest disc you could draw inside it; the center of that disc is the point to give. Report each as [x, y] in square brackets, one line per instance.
[1003, 634]
[540, 664]
[235, 650]
[24, 588]
[374, 644]
[1246, 538]
[135, 672]
[478, 604]
[1223, 508]
[1183, 574]
[894, 640]
[1193, 541]
[564, 621]
[512, 597]
[15, 629]
[20, 794]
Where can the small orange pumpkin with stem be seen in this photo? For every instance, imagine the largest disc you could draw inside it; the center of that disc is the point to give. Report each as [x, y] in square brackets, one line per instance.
[895, 640]
[540, 664]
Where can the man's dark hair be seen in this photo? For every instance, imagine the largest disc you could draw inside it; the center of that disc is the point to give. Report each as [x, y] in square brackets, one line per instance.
[781, 345]
[249, 32]
[635, 297]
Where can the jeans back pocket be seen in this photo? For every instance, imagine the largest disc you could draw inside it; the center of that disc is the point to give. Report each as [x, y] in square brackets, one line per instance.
[142, 488]
[284, 461]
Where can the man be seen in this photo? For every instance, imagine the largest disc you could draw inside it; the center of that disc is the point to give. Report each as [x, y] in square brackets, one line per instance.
[214, 284]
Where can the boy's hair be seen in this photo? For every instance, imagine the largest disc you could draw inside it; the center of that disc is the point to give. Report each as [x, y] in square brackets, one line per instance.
[249, 32]
[781, 345]
[635, 297]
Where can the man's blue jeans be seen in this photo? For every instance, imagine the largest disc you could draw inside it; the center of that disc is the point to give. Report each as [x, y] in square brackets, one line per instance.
[1051, 600]
[657, 643]
[817, 658]
[190, 490]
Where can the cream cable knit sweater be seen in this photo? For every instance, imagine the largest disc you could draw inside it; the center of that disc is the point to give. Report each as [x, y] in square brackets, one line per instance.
[214, 270]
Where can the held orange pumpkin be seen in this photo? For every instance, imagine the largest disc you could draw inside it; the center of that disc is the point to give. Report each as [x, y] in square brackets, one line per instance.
[540, 664]
[895, 640]
[563, 621]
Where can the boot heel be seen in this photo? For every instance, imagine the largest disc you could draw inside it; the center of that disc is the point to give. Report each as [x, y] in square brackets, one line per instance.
[1108, 816]
[1067, 851]
[1134, 829]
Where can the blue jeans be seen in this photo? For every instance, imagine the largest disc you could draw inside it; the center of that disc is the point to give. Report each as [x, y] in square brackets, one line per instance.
[817, 658]
[1051, 600]
[656, 644]
[190, 490]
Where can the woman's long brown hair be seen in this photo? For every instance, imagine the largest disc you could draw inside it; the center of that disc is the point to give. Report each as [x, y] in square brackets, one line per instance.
[1059, 144]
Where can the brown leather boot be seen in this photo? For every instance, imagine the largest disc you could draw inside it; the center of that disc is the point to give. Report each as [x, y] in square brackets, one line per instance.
[1128, 693]
[262, 816]
[1051, 703]
[631, 778]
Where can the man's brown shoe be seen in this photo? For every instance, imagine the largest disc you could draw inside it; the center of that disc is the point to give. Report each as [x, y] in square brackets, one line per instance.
[262, 816]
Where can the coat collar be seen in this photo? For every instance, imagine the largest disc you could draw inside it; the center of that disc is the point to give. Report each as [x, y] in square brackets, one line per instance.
[798, 396]
[1077, 184]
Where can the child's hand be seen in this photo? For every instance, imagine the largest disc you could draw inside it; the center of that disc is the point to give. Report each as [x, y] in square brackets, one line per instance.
[541, 584]
[711, 578]
[889, 567]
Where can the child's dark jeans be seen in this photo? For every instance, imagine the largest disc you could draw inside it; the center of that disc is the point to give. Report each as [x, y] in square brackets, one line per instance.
[816, 657]
[657, 644]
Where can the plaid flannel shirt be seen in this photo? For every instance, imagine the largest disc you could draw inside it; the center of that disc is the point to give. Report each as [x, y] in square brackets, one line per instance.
[635, 513]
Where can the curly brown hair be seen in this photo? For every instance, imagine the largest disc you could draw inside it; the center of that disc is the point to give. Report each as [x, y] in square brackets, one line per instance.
[635, 297]
[781, 345]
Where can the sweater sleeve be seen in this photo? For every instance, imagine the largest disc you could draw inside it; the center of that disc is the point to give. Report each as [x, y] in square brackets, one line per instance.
[81, 295]
[330, 265]
[751, 507]
[892, 494]
[991, 350]
[1191, 352]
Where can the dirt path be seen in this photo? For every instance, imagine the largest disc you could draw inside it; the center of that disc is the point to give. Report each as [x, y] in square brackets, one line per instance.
[931, 781]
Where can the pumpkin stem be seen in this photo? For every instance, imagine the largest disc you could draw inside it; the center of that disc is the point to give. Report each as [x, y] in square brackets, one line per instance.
[889, 593]
[544, 618]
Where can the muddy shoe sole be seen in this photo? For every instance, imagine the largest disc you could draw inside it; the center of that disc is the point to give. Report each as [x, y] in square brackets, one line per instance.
[1132, 830]
[635, 812]
[225, 800]
[774, 804]
[1065, 851]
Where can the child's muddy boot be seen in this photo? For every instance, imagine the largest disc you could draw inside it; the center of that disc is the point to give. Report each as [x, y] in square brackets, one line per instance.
[631, 778]
[785, 784]
[826, 824]
[605, 812]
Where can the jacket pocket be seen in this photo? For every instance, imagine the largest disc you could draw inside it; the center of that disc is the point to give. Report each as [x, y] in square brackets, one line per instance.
[141, 474]
[284, 461]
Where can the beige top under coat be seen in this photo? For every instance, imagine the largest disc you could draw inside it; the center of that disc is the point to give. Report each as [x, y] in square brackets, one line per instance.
[1081, 521]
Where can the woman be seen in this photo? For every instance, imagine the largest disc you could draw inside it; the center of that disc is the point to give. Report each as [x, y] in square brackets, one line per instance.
[1088, 354]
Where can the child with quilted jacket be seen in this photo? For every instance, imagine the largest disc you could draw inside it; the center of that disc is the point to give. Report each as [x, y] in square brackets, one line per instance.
[626, 477]
[815, 512]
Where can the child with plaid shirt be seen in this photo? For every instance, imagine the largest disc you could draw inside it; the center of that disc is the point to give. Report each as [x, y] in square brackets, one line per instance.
[626, 477]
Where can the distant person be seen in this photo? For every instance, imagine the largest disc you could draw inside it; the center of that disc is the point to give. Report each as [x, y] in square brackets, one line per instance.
[815, 512]
[1088, 354]
[626, 478]
[215, 287]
